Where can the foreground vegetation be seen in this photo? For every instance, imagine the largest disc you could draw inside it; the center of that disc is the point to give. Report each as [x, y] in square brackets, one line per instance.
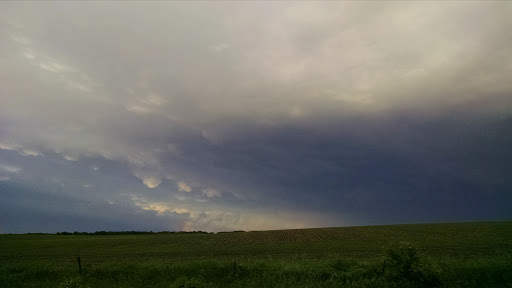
[422, 255]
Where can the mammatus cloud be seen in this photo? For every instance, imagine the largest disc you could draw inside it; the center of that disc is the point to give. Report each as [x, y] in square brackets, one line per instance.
[210, 193]
[29, 152]
[70, 157]
[231, 219]
[149, 179]
[151, 182]
[22, 151]
[9, 168]
[182, 186]
[8, 146]
[267, 115]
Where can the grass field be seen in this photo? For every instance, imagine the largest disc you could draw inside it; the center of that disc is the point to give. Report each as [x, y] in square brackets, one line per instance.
[420, 255]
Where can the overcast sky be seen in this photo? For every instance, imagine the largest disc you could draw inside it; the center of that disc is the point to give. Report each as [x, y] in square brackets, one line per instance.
[250, 116]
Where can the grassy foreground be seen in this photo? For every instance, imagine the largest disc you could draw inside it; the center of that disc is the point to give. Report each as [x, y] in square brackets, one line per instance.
[420, 255]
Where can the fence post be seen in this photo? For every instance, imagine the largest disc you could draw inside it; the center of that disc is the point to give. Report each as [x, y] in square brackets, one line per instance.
[79, 265]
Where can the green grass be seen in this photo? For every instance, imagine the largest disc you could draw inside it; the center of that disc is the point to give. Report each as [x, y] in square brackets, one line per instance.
[444, 255]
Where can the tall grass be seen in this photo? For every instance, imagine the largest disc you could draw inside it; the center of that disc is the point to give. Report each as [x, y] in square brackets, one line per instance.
[400, 269]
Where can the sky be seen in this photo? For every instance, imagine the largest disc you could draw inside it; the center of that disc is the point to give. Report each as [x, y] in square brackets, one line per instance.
[219, 116]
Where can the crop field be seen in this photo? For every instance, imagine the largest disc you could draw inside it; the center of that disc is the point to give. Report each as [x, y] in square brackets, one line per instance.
[418, 255]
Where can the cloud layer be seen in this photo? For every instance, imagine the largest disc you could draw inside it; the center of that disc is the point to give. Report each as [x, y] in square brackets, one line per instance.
[225, 115]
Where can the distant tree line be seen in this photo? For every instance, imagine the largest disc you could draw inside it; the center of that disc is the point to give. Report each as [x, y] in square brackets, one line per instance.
[129, 232]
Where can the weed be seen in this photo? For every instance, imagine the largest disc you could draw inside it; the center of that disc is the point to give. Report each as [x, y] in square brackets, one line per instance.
[402, 265]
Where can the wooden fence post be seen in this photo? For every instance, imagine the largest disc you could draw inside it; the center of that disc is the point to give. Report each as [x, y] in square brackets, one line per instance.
[79, 264]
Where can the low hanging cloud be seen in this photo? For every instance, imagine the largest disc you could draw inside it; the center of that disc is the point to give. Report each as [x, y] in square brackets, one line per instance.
[211, 193]
[149, 179]
[29, 152]
[9, 168]
[182, 186]
[21, 150]
[6, 146]
[151, 182]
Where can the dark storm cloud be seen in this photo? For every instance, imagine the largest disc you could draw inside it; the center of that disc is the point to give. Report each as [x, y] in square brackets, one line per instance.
[402, 168]
[57, 195]
[220, 116]
[38, 209]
